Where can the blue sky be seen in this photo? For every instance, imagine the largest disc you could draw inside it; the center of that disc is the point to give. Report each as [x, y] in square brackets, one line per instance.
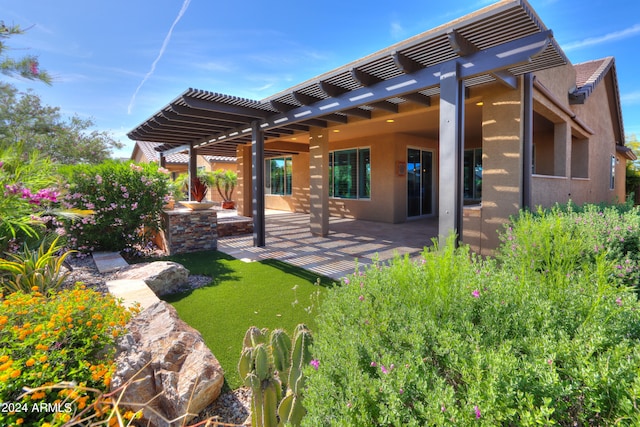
[118, 62]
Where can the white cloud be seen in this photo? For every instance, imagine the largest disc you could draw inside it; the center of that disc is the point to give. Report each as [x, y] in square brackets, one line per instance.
[397, 31]
[185, 5]
[630, 98]
[592, 41]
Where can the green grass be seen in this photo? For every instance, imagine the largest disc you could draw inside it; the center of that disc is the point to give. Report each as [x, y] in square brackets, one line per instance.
[242, 295]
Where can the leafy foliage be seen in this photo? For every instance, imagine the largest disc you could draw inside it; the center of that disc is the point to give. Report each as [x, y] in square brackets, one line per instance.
[44, 341]
[127, 201]
[26, 67]
[23, 119]
[225, 181]
[27, 184]
[40, 269]
[548, 335]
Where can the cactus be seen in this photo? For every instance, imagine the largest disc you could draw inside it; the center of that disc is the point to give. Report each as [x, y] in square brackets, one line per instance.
[273, 368]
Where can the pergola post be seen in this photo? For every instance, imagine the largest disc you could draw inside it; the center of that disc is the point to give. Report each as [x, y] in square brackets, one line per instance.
[193, 168]
[257, 167]
[451, 152]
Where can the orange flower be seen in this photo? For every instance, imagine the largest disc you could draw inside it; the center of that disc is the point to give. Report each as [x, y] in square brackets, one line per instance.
[43, 358]
[16, 373]
[30, 362]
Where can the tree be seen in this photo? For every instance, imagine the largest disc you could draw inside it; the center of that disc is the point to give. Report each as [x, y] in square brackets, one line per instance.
[27, 66]
[24, 120]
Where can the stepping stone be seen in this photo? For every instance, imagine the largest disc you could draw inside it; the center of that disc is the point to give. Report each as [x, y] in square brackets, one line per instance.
[109, 261]
[132, 291]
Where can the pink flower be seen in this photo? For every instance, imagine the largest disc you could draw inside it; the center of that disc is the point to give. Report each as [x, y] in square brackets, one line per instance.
[477, 411]
[476, 293]
[619, 301]
[361, 297]
[34, 68]
[315, 363]
[383, 369]
[374, 364]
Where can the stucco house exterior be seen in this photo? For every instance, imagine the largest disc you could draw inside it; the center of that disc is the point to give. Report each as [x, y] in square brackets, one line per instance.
[467, 123]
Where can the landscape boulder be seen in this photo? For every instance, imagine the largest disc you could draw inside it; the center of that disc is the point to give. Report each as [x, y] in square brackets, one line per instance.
[164, 367]
[162, 277]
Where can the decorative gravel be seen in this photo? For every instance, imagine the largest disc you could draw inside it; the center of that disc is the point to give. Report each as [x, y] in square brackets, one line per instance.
[231, 408]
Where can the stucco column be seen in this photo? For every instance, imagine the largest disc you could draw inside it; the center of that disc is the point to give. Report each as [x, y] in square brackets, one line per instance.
[501, 162]
[243, 190]
[319, 181]
[561, 149]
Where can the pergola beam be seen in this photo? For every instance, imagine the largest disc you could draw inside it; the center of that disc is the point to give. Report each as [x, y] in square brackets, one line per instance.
[490, 60]
[220, 107]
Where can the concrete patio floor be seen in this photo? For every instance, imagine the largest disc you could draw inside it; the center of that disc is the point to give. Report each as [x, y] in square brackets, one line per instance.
[349, 242]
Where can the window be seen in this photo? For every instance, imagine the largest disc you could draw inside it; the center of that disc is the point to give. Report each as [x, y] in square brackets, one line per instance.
[350, 173]
[473, 174]
[612, 174]
[277, 178]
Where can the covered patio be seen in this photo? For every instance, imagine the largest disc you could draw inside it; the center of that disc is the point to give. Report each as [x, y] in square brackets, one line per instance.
[476, 70]
[349, 242]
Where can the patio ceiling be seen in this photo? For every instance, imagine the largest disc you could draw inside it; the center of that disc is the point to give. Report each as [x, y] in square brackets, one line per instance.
[497, 43]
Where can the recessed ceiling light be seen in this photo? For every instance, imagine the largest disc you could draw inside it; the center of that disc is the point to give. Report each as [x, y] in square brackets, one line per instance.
[480, 104]
[390, 120]
[336, 130]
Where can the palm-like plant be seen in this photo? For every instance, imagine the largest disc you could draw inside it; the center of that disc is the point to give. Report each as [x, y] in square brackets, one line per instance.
[225, 181]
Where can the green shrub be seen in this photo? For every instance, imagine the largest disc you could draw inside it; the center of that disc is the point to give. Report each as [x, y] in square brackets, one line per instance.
[562, 238]
[127, 201]
[44, 341]
[457, 340]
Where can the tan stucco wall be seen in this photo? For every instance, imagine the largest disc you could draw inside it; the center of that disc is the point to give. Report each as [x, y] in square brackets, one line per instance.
[561, 185]
[502, 169]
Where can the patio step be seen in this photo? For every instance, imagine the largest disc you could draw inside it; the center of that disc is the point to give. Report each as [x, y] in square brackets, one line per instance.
[108, 261]
[131, 292]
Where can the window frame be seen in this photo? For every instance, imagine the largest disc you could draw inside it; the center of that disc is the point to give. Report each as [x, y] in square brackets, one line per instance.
[287, 178]
[361, 179]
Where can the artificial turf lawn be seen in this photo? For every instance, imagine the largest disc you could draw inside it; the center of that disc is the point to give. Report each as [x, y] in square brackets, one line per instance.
[242, 295]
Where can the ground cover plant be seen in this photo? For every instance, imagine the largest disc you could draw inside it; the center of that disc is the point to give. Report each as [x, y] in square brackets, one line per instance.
[268, 294]
[547, 333]
[67, 336]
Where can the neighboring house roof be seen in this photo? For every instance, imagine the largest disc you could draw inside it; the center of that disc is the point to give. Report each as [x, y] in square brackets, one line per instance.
[149, 150]
[588, 76]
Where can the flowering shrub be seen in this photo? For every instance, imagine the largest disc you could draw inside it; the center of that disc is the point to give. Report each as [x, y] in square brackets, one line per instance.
[68, 336]
[127, 201]
[458, 340]
[26, 191]
[562, 238]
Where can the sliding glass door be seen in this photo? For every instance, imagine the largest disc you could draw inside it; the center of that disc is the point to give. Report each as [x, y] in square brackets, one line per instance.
[419, 182]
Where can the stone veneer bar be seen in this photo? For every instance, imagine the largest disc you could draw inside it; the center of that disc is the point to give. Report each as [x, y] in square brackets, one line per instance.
[190, 231]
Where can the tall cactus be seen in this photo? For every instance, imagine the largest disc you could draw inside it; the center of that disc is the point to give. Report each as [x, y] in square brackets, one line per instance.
[275, 369]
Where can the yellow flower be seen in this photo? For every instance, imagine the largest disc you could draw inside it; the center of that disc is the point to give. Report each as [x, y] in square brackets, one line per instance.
[4, 358]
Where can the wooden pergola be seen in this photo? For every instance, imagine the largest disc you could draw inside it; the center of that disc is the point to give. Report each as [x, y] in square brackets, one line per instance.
[499, 43]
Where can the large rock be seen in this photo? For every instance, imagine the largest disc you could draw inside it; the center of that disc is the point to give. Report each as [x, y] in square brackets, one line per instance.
[163, 277]
[164, 367]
